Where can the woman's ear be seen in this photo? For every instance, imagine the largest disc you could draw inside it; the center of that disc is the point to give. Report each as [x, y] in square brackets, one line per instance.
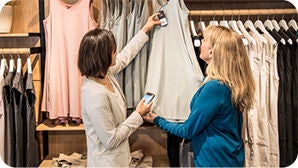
[210, 52]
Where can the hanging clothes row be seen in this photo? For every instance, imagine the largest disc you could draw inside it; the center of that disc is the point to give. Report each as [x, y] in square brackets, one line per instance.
[270, 129]
[125, 18]
[19, 147]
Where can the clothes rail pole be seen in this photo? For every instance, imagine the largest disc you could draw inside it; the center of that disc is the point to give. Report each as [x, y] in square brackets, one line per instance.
[31, 50]
[243, 12]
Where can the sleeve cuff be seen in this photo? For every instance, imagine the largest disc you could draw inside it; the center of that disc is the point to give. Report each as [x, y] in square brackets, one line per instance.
[137, 117]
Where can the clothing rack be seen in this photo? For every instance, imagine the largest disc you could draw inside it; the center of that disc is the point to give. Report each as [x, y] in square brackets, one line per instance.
[32, 50]
[285, 11]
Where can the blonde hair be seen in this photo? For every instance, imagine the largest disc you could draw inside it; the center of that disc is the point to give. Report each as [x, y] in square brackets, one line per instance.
[230, 65]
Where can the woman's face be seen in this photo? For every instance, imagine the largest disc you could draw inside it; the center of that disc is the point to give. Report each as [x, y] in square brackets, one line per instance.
[113, 58]
[206, 51]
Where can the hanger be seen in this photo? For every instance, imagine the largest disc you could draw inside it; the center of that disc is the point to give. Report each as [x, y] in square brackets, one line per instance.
[3, 65]
[194, 33]
[250, 26]
[11, 63]
[213, 22]
[192, 28]
[268, 24]
[29, 68]
[244, 31]
[201, 25]
[275, 24]
[292, 23]
[224, 22]
[283, 24]
[233, 24]
[260, 26]
[19, 63]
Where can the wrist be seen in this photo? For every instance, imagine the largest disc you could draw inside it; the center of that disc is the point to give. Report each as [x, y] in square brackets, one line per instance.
[141, 114]
[145, 29]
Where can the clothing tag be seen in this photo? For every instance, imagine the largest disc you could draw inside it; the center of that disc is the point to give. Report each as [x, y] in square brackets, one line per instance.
[196, 41]
[162, 18]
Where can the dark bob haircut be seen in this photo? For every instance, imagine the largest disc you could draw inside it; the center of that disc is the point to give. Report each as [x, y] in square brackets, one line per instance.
[95, 53]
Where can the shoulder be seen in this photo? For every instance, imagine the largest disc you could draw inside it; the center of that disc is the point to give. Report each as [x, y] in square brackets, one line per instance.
[215, 86]
[93, 91]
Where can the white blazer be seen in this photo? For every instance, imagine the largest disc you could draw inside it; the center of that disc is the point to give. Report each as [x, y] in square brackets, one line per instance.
[106, 126]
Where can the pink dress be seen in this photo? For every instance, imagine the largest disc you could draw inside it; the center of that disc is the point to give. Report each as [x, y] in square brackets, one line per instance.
[64, 28]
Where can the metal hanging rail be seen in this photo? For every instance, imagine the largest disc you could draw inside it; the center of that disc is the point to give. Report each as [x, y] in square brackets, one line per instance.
[235, 12]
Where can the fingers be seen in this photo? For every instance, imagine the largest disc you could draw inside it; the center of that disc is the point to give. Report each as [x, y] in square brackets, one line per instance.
[154, 16]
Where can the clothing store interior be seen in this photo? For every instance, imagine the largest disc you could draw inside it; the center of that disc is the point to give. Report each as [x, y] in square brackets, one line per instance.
[40, 108]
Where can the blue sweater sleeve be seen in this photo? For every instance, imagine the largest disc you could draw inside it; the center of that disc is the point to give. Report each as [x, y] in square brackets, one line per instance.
[204, 105]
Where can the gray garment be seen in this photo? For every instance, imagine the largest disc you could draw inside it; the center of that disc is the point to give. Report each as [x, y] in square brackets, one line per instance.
[128, 80]
[121, 35]
[139, 64]
[116, 19]
[173, 71]
[10, 148]
[2, 118]
[20, 117]
[104, 11]
[32, 152]
[107, 19]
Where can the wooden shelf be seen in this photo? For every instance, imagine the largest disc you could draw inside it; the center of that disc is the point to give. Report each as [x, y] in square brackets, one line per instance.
[47, 162]
[48, 125]
[19, 34]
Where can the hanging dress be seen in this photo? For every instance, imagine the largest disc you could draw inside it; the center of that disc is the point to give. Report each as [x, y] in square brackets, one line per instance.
[20, 116]
[121, 35]
[173, 72]
[130, 31]
[64, 28]
[10, 140]
[139, 64]
[32, 151]
[2, 112]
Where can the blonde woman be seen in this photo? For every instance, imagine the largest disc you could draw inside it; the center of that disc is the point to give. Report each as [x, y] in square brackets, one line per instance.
[215, 122]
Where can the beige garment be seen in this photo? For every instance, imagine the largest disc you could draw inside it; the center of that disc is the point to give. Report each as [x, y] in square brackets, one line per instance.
[260, 127]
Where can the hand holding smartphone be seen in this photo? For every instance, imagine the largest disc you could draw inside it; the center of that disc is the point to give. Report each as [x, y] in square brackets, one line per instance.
[149, 97]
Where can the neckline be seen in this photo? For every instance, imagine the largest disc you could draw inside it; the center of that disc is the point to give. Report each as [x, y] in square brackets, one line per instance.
[69, 7]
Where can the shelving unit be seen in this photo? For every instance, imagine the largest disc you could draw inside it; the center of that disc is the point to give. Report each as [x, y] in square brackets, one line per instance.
[48, 125]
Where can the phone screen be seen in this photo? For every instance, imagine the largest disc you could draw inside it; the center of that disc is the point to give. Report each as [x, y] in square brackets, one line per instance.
[149, 97]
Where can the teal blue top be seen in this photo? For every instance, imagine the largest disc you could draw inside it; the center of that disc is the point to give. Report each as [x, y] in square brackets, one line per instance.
[214, 126]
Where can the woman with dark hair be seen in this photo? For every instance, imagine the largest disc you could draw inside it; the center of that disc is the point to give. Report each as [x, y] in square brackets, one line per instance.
[104, 112]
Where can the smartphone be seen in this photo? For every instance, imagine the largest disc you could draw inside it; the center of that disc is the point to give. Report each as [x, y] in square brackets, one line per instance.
[149, 97]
